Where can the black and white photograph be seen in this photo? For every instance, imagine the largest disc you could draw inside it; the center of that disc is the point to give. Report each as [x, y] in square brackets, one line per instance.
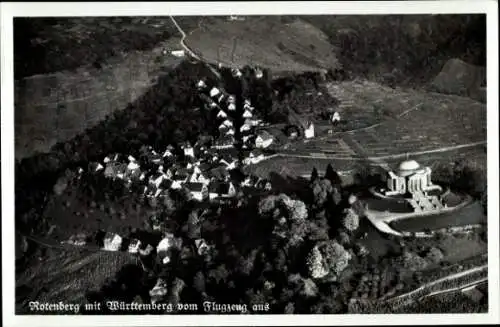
[299, 161]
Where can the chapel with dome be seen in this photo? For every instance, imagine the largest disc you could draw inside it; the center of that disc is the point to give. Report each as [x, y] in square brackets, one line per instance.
[410, 179]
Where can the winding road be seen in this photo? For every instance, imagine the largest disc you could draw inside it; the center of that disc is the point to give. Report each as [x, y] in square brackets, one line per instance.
[190, 51]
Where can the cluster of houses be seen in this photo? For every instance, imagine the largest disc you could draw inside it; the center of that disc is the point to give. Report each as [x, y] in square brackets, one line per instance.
[205, 172]
[216, 98]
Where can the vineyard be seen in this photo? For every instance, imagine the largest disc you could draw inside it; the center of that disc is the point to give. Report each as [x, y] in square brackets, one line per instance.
[459, 280]
[454, 121]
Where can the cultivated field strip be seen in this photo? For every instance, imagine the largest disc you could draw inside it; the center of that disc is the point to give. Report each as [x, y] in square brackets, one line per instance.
[424, 130]
[284, 47]
[453, 282]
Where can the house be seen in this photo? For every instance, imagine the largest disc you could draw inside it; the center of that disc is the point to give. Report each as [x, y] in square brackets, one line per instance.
[227, 190]
[254, 157]
[163, 249]
[230, 131]
[250, 181]
[228, 123]
[169, 152]
[231, 107]
[178, 53]
[214, 92]
[229, 162]
[245, 138]
[309, 131]
[168, 173]
[253, 122]
[112, 242]
[201, 247]
[247, 114]
[263, 139]
[178, 180]
[236, 72]
[156, 179]
[198, 177]
[234, 17]
[258, 73]
[221, 114]
[245, 127]
[201, 84]
[223, 128]
[95, 166]
[132, 165]
[115, 170]
[134, 245]
[221, 190]
[335, 119]
[224, 142]
[188, 150]
[199, 191]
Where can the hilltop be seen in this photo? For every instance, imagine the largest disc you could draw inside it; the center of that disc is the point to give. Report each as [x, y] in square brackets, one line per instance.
[264, 41]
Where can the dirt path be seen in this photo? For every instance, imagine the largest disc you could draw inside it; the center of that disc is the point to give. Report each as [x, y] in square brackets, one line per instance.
[191, 52]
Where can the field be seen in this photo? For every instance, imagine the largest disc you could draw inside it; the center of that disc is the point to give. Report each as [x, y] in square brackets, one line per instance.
[302, 166]
[403, 120]
[68, 276]
[56, 100]
[293, 166]
[74, 213]
[454, 302]
[264, 41]
[470, 215]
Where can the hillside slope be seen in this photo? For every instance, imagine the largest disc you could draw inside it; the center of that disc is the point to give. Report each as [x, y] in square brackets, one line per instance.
[265, 41]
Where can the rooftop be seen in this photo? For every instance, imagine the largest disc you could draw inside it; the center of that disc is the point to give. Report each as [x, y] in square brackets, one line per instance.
[408, 165]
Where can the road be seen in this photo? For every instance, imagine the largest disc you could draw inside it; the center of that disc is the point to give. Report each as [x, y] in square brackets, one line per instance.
[425, 290]
[189, 50]
[455, 289]
[376, 160]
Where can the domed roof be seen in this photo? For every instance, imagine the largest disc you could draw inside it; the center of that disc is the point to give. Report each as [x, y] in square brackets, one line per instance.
[409, 165]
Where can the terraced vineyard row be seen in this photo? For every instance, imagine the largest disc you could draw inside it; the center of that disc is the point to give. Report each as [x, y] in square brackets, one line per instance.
[461, 280]
[425, 129]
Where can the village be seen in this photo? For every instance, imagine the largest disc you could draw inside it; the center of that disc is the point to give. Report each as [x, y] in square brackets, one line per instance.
[205, 168]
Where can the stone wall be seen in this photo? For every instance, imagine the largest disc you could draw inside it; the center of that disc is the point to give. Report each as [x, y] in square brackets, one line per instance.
[56, 107]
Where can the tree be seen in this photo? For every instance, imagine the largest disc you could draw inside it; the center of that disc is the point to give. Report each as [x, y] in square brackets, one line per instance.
[333, 176]
[318, 230]
[289, 216]
[199, 282]
[315, 264]
[321, 189]
[219, 274]
[314, 175]
[413, 261]
[435, 255]
[350, 220]
[328, 258]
